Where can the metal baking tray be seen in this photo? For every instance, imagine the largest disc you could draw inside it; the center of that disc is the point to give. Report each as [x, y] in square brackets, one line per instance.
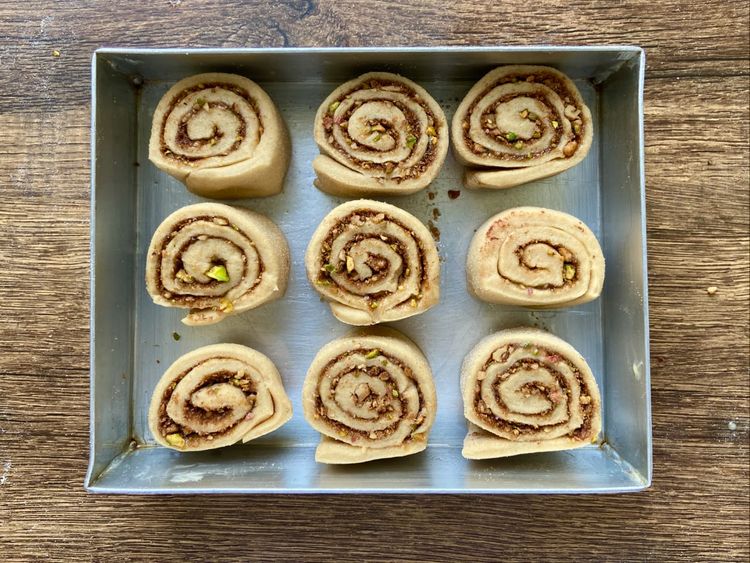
[133, 341]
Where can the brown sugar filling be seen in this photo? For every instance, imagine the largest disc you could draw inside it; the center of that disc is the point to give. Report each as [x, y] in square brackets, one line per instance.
[183, 140]
[547, 80]
[324, 277]
[382, 406]
[169, 426]
[193, 301]
[386, 168]
[582, 432]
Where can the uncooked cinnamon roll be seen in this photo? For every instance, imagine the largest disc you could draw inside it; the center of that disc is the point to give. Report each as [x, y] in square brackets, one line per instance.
[216, 260]
[374, 263]
[379, 134]
[535, 257]
[216, 396]
[519, 124]
[525, 391]
[222, 136]
[371, 396]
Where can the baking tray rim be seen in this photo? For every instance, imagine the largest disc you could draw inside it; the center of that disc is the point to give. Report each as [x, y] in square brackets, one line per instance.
[637, 52]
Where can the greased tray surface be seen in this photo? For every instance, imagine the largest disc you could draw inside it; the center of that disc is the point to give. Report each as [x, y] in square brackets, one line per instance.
[133, 340]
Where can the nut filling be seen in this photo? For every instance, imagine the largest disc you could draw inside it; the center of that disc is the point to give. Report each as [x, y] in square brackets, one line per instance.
[537, 116]
[191, 283]
[374, 259]
[535, 257]
[370, 396]
[209, 408]
[525, 390]
[366, 261]
[384, 129]
[216, 396]
[209, 120]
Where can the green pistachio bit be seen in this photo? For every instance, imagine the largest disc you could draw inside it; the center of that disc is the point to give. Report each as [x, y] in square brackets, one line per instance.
[332, 108]
[200, 101]
[176, 335]
[569, 271]
[519, 145]
[373, 304]
[524, 114]
[577, 128]
[330, 268]
[384, 362]
[374, 353]
[431, 131]
[536, 134]
[511, 136]
[218, 273]
[175, 440]
[395, 393]
[323, 282]
[411, 140]
[555, 124]
[376, 138]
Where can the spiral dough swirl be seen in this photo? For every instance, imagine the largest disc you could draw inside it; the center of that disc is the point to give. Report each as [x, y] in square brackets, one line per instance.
[379, 134]
[222, 136]
[374, 263]
[525, 390]
[519, 124]
[535, 257]
[216, 260]
[216, 396]
[373, 397]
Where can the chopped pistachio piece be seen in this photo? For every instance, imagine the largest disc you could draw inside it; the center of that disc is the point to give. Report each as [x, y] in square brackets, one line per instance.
[576, 127]
[374, 304]
[323, 282]
[569, 271]
[200, 101]
[519, 145]
[226, 306]
[176, 335]
[175, 440]
[411, 140]
[218, 273]
[330, 268]
[333, 107]
[524, 114]
[374, 353]
[431, 131]
[536, 134]
[395, 393]
[376, 138]
[349, 264]
[413, 303]
[55, 53]
[183, 276]
[511, 136]
[555, 124]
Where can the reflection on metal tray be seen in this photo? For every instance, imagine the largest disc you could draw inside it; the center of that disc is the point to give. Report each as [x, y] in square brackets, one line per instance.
[132, 339]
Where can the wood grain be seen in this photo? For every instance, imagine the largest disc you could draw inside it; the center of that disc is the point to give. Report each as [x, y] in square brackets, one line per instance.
[697, 182]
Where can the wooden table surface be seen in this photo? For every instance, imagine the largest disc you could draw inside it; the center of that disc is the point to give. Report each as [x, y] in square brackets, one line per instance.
[697, 194]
